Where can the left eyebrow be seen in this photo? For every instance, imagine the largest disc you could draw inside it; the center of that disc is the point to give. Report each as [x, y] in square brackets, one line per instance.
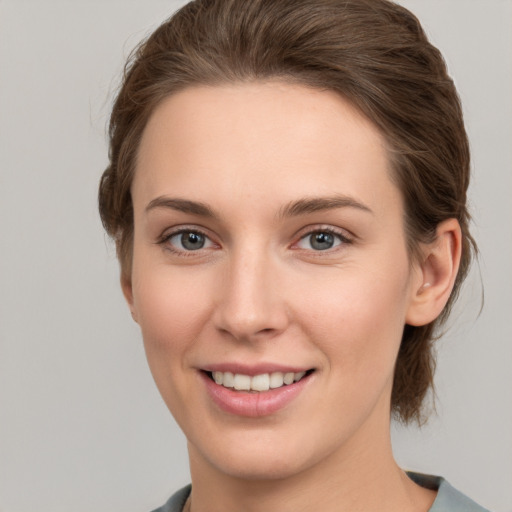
[316, 204]
[181, 205]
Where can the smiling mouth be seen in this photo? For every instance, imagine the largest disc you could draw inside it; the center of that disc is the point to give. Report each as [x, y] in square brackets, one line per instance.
[256, 383]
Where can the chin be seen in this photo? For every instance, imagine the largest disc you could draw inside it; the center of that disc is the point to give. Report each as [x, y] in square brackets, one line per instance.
[259, 468]
[259, 457]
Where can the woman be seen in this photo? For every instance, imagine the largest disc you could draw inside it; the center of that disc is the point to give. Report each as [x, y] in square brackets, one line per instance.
[287, 192]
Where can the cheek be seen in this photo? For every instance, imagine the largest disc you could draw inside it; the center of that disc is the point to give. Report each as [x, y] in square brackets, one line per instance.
[172, 312]
[171, 309]
[358, 319]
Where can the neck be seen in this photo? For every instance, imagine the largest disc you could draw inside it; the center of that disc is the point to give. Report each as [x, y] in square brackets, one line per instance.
[361, 477]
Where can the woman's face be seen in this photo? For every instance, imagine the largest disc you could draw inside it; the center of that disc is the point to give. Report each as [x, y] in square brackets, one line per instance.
[269, 240]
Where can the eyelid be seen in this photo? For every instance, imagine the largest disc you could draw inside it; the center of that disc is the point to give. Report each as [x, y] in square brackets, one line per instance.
[164, 238]
[345, 236]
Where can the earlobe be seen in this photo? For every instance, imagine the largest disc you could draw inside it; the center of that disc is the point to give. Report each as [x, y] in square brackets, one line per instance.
[438, 269]
[127, 288]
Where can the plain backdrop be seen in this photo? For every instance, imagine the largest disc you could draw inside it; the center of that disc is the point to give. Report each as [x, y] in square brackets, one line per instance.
[82, 427]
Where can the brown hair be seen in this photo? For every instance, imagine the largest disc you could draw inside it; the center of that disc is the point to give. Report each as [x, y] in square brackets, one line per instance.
[374, 53]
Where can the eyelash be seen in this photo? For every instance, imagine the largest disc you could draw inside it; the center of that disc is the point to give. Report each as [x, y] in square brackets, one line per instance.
[343, 238]
[165, 239]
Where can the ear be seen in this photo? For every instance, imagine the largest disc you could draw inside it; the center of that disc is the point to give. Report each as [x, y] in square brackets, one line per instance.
[126, 286]
[437, 268]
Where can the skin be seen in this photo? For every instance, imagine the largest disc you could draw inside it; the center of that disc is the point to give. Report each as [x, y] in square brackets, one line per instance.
[259, 292]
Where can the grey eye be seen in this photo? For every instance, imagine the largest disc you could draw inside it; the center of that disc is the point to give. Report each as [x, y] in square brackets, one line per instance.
[189, 241]
[320, 241]
[192, 241]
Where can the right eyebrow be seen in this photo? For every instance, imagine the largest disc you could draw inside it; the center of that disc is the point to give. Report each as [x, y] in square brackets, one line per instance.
[309, 205]
[181, 205]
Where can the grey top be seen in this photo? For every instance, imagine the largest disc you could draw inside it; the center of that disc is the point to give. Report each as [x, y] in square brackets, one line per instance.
[448, 499]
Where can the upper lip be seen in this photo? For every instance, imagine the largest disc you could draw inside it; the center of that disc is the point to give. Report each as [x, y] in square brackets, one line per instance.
[254, 369]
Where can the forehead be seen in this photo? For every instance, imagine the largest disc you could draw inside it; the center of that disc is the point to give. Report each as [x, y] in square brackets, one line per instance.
[258, 139]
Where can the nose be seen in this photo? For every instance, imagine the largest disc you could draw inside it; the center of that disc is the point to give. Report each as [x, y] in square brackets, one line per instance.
[251, 304]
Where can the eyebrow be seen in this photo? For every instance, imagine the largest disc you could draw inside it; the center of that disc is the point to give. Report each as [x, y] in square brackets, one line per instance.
[181, 205]
[317, 204]
[293, 209]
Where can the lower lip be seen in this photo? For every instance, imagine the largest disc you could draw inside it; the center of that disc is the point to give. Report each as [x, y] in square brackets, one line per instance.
[262, 403]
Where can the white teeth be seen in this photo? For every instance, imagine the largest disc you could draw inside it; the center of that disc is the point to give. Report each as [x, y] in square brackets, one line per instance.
[229, 380]
[242, 382]
[288, 378]
[261, 382]
[298, 376]
[276, 380]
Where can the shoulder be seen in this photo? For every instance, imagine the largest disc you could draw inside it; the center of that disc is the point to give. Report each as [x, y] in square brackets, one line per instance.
[448, 498]
[176, 501]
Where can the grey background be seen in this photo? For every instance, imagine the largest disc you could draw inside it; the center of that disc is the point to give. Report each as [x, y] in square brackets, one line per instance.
[82, 427]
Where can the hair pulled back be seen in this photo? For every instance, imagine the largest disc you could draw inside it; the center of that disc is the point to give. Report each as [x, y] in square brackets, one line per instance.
[372, 52]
